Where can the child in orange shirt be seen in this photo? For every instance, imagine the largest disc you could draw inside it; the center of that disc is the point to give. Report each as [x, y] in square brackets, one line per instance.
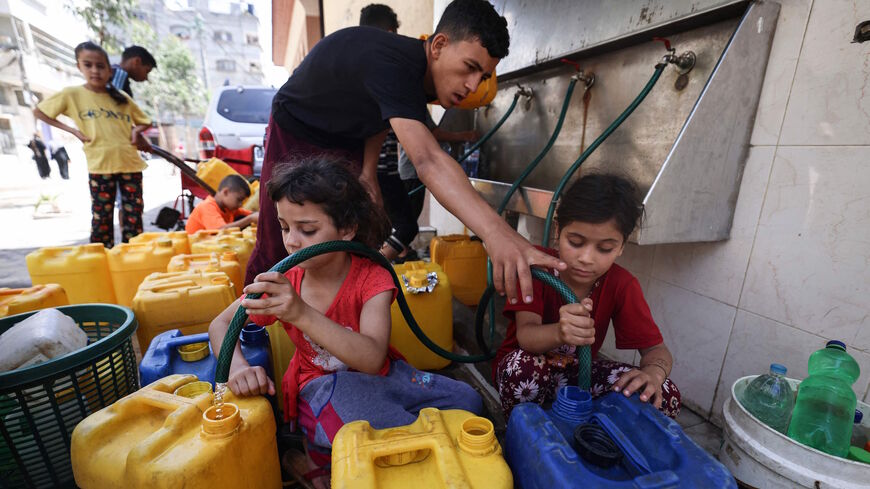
[224, 209]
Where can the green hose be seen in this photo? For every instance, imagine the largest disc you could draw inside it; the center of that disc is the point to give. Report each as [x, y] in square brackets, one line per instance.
[592, 147]
[486, 299]
[482, 140]
[225, 355]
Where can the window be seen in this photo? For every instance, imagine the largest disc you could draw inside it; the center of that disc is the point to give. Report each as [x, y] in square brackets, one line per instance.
[22, 99]
[223, 36]
[252, 39]
[253, 105]
[254, 67]
[4, 100]
[180, 31]
[226, 65]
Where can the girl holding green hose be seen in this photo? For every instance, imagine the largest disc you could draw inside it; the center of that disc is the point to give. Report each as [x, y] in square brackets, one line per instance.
[595, 217]
[336, 309]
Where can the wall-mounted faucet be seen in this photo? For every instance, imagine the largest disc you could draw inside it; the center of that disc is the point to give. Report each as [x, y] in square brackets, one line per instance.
[684, 62]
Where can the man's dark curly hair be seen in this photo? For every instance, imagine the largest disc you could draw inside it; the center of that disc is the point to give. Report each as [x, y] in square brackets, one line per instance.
[380, 16]
[466, 20]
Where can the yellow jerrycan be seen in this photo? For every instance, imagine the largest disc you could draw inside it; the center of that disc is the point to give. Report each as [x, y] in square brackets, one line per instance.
[154, 439]
[16, 301]
[464, 261]
[232, 241]
[179, 240]
[215, 170]
[252, 203]
[227, 262]
[188, 301]
[130, 263]
[250, 232]
[204, 234]
[282, 352]
[82, 271]
[441, 449]
[427, 291]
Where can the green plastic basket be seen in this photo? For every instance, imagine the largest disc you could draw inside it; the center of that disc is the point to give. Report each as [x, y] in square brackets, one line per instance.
[41, 404]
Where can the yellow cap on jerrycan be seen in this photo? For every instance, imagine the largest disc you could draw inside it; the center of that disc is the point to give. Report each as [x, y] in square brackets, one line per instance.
[427, 290]
[464, 261]
[152, 439]
[16, 301]
[179, 239]
[188, 301]
[130, 263]
[227, 262]
[229, 241]
[82, 271]
[440, 446]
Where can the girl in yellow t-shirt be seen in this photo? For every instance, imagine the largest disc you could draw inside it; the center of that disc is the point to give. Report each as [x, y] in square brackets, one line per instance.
[108, 122]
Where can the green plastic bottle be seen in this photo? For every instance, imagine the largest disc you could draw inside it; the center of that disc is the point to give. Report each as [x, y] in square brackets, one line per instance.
[825, 408]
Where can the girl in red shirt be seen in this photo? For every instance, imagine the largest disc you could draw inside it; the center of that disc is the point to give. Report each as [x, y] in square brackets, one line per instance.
[538, 356]
[336, 309]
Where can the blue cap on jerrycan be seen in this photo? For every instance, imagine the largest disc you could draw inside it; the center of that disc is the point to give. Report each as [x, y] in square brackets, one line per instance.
[836, 344]
[859, 416]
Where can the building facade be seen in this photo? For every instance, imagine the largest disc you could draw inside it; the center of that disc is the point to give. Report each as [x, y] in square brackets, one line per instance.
[222, 36]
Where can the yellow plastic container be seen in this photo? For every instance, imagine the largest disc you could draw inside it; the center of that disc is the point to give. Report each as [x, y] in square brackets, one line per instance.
[252, 203]
[179, 240]
[152, 439]
[130, 263]
[188, 301]
[215, 170]
[16, 301]
[433, 310]
[82, 271]
[451, 448]
[250, 232]
[204, 234]
[464, 262]
[282, 351]
[227, 262]
[226, 242]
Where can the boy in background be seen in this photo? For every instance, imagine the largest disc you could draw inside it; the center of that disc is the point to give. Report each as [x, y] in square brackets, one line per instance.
[224, 210]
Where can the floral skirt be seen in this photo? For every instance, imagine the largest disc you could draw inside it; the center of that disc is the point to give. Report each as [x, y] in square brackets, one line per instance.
[524, 377]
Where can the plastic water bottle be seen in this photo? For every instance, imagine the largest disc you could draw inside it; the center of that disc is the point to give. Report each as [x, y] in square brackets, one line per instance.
[770, 398]
[824, 412]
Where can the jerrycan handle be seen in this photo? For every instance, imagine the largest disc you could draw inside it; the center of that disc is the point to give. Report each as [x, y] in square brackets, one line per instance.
[636, 461]
[186, 340]
[175, 285]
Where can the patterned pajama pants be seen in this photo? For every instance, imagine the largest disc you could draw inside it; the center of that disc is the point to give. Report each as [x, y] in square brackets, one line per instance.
[103, 189]
[524, 377]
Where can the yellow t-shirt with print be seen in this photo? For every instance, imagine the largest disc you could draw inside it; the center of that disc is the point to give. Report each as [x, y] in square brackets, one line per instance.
[107, 123]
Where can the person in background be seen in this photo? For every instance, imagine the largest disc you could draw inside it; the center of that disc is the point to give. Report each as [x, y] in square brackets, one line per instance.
[60, 156]
[108, 123]
[136, 63]
[356, 83]
[38, 147]
[336, 309]
[538, 356]
[224, 210]
[407, 172]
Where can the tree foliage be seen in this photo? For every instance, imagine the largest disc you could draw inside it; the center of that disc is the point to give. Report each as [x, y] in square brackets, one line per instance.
[173, 89]
[101, 16]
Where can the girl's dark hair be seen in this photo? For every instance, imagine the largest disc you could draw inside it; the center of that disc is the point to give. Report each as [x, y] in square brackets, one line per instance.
[113, 92]
[328, 183]
[598, 198]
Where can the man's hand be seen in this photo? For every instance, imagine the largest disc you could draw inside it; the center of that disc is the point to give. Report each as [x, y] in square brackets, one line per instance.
[283, 301]
[511, 257]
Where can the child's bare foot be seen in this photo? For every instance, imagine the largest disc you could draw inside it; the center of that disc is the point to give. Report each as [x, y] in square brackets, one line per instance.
[319, 476]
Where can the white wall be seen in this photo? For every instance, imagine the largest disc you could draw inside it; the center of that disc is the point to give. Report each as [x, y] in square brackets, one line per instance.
[796, 271]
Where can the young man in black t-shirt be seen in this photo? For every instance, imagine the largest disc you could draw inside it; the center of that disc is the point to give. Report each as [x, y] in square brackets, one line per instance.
[358, 82]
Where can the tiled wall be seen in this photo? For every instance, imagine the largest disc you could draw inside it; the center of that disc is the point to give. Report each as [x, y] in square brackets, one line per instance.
[796, 270]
